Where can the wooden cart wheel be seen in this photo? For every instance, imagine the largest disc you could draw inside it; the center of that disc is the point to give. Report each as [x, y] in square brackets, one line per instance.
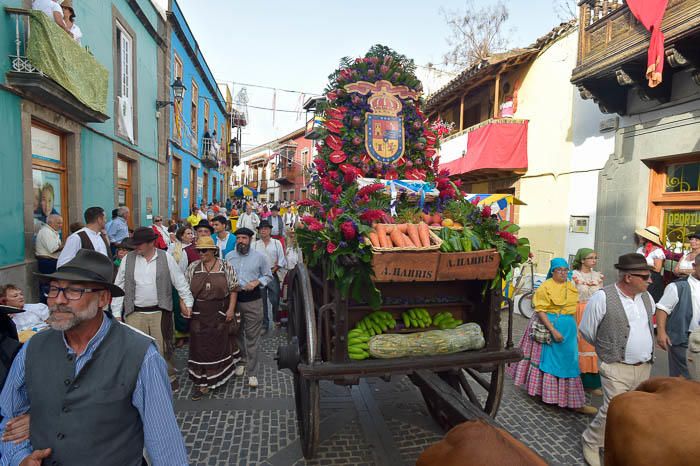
[482, 389]
[306, 391]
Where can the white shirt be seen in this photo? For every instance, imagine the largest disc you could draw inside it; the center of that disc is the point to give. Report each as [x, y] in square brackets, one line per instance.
[77, 33]
[184, 262]
[655, 254]
[33, 315]
[47, 242]
[222, 243]
[145, 278]
[164, 233]
[73, 244]
[48, 7]
[246, 220]
[669, 301]
[276, 223]
[273, 251]
[639, 343]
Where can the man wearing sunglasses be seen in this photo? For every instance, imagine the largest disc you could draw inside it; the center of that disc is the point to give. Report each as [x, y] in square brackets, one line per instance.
[618, 323]
[97, 390]
[678, 324]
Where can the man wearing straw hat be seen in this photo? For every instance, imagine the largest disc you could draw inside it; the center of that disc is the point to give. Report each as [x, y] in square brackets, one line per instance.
[97, 390]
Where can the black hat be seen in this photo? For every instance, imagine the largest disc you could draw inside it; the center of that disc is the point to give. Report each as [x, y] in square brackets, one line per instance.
[244, 231]
[87, 266]
[695, 235]
[265, 224]
[143, 235]
[126, 243]
[275, 207]
[632, 261]
[204, 224]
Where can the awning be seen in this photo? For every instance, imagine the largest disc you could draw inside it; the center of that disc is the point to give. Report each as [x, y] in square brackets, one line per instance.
[492, 145]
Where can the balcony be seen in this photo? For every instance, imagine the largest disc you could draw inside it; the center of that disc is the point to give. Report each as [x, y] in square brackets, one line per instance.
[210, 150]
[495, 148]
[285, 174]
[613, 52]
[73, 82]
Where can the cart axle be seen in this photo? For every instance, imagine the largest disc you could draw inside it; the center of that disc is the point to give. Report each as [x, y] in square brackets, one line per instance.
[288, 356]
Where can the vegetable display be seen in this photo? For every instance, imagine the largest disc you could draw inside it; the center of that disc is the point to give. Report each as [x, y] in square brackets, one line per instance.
[432, 342]
[401, 235]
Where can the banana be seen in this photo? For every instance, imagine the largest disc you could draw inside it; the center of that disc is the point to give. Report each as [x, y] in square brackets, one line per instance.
[357, 340]
[412, 313]
[358, 356]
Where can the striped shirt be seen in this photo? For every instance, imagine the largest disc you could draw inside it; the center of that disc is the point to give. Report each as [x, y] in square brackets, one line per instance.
[152, 398]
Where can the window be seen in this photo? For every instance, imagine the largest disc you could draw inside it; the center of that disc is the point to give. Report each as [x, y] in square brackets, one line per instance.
[193, 112]
[124, 94]
[177, 114]
[206, 115]
[683, 177]
[176, 187]
[451, 113]
[215, 126]
[124, 190]
[48, 176]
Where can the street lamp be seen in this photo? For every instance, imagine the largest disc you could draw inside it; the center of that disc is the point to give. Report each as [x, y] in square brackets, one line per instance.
[178, 93]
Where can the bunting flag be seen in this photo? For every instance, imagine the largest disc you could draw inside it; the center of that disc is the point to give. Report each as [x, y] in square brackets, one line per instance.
[651, 13]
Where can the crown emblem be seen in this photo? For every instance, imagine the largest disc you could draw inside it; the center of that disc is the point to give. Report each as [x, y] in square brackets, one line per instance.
[383, 103]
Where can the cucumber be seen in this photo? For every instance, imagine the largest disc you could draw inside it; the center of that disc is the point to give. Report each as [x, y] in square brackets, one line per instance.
[439, 318]
[412, 313]
[406, 320]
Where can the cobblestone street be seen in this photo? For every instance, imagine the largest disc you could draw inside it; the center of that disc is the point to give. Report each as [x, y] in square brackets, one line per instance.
[375, 423]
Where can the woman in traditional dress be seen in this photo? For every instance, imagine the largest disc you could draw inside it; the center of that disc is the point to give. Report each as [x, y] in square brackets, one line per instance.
[587, 282]
[685, 266]
[213, 282]
[650, 246]
[184, 253]
[551, 370]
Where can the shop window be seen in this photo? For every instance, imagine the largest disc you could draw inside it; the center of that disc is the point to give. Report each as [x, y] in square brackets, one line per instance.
[49, 188]
[683, 177]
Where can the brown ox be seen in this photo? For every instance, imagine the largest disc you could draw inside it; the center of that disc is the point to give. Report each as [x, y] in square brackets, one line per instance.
[480, 444]
[658, 423]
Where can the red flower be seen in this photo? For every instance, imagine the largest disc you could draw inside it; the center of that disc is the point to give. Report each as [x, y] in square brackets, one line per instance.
[486, 211]
[336, 113]
[391, 175]
[312, 223]
[309, 203]
[331, 96]
[334, 213]
[337, 156]
[334, 142]
[415, 174]
[320, 164]
[330, 248]
[348, 230]
[370, 189]
[373, 215]
[333, 126]
[508, 237]
[350, 173]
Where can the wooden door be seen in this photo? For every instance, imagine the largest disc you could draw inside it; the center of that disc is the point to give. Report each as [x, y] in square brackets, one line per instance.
[193, 187]
[176, 189]
[125, 195]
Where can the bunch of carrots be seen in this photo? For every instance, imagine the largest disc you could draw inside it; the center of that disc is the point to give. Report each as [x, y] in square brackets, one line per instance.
[402, 235]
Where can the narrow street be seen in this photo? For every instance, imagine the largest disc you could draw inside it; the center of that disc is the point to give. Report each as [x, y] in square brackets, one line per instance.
[375, 423]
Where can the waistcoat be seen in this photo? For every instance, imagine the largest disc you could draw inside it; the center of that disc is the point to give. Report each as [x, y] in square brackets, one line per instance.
[678, 322]
[85, 243]
[614, 329]
[164, 287]
[88, 418]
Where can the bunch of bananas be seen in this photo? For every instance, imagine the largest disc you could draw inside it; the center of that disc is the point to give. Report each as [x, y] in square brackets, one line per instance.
[416, 318]
[445, 320]
[358, 347]
[376, 323]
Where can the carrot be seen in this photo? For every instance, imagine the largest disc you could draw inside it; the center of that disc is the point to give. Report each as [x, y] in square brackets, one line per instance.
[403, 227]
[397, 238]
[424, 234]
[413, 234]
[374, 239]
[389, 227]
[387, 241]
[381, 233]
[408, 243]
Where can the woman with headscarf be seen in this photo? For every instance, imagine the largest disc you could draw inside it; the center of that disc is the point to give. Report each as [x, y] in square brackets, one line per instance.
[587, 282]
[213, 282]
[550, 370]
[184, 253]
[650, 246]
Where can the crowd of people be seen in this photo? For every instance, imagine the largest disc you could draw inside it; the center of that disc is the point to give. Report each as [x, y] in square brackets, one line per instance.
[588, 336]
[213, 279]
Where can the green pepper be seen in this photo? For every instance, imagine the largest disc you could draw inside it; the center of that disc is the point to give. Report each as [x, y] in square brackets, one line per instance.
[466, 244]
[455, 244]
[445, 246]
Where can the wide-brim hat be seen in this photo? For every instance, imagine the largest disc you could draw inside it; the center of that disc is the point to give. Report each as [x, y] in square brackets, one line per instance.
[87, 266]
[695, 235]
[205, 242]
[265, 224]
[244, 231]
[126, 243]
[650, 233]
[275, 207]
[143, 235]
[204, 224]
[68, 4]
[632, 261]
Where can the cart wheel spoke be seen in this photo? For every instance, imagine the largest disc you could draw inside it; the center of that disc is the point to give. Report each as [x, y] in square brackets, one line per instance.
[464, 383]
[485, 384]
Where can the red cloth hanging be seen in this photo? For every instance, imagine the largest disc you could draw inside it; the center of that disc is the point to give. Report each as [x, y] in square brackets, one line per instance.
[650, 13]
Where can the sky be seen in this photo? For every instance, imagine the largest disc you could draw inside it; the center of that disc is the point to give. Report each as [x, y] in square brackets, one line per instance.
[295, 44]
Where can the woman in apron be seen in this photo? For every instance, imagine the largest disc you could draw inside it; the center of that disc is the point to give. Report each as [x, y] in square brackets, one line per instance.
[213, 356]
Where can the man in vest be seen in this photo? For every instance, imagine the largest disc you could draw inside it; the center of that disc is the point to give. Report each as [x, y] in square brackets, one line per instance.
[279, 229]
[97, 390]
[91, 236]
[618, 322]
[678, 325]
[148, 276]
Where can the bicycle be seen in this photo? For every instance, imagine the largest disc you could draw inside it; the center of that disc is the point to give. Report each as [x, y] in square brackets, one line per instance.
[519, 288]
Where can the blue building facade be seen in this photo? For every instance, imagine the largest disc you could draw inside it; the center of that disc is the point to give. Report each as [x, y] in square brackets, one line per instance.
[199, 124]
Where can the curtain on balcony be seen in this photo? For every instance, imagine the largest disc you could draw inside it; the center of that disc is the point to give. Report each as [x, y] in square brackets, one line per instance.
[52, 51]
[651, 13]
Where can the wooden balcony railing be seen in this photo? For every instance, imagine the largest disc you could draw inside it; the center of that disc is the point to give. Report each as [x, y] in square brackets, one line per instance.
[595, 10]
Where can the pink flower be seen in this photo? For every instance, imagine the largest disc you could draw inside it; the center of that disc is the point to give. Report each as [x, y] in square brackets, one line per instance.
[312, 223]
[370, 216]
[309, 203]
[334, 213]
[486, 211]
[508, 237]
[348, 230]
[370, 189]
[330, 247]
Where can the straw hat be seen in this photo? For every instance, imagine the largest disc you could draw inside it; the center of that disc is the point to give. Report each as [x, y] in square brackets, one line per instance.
[650, 233]
[205, 242]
